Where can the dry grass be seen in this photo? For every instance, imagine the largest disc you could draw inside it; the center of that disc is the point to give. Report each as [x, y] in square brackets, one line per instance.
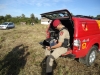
[21, 54]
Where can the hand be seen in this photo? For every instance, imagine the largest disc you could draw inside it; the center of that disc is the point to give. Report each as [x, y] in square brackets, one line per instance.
[48, 47]
[55, 41]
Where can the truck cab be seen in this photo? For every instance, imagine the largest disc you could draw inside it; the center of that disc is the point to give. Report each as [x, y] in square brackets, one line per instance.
[84, 34]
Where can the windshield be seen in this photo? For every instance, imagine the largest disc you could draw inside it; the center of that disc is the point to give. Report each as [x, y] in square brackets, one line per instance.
[10, 24]
[4, 23]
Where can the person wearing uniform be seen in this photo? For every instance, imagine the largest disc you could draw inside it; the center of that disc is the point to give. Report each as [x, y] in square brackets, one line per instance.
[59, 48]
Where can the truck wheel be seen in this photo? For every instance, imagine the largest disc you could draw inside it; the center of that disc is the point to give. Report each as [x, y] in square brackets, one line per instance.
[91, 56]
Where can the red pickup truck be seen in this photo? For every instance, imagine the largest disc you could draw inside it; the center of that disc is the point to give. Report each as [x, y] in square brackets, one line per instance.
[84, 34]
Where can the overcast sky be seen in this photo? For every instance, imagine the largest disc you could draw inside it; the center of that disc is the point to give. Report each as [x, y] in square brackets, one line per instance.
[27, 7]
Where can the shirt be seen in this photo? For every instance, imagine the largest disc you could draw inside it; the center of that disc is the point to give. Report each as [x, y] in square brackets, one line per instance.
[63, 34]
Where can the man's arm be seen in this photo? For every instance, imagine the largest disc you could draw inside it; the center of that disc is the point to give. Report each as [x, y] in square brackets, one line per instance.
[57, 45]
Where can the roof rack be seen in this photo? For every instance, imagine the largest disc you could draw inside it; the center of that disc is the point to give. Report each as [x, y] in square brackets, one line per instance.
[82, 16]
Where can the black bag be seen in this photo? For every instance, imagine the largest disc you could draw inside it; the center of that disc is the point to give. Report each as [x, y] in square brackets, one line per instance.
[46, 42]
[49, 42]
[65, 43]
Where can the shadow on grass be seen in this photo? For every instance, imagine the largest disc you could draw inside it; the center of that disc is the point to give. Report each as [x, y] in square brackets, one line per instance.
[14, 61]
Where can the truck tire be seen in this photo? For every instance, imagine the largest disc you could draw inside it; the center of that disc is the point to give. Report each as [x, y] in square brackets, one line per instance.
[91, 56]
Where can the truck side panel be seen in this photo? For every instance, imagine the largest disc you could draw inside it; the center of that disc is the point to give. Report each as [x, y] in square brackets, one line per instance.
[88, 32]
[86, 44]
[86, 27]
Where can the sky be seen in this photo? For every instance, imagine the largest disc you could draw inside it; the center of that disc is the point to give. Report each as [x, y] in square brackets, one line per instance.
[27, 7]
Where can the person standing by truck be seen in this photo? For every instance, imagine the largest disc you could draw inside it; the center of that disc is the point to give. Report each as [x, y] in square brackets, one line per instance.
[60, 48]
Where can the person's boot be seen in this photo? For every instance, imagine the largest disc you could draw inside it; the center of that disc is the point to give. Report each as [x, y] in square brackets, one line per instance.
[43, 63]
[49, 73]
[44, 60]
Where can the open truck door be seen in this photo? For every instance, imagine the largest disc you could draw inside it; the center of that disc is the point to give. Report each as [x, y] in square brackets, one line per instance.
[59, 14]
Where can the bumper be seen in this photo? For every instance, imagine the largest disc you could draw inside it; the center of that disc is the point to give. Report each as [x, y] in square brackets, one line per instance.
[2, 27]
[68, 54]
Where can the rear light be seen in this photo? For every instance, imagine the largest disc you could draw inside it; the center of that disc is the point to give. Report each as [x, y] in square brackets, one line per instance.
[77, 44]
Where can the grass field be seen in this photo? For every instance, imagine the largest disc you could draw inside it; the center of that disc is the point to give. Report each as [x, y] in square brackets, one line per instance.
[21, 54]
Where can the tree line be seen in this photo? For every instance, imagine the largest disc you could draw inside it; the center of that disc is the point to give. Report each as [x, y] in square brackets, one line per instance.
[19, 19]
[23, 18]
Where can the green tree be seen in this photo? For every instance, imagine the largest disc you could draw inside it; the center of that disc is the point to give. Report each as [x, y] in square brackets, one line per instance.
[8, 17]
[32, 17]
[1, 19]
[36, 20]
[23, 16]
[19, 19]
[98, 16]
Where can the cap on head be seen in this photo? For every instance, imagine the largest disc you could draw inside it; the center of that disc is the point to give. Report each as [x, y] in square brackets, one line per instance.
[56, 23]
